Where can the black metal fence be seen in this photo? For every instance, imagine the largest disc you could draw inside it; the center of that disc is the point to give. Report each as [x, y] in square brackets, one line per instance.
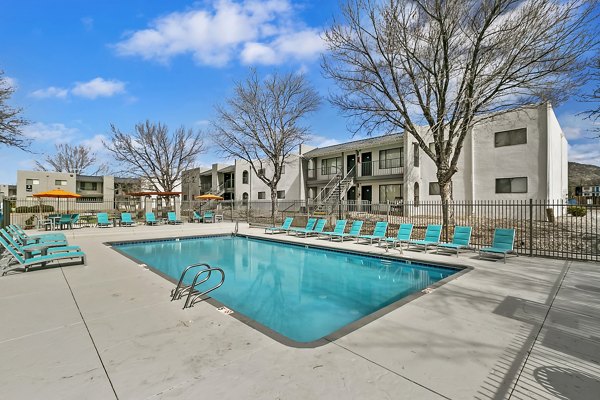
[543, 228]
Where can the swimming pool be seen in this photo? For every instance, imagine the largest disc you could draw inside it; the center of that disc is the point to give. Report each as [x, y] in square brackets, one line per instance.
[302, 293]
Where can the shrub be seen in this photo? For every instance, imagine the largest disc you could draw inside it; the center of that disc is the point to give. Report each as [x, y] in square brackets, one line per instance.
[577, 211]
[45, 208]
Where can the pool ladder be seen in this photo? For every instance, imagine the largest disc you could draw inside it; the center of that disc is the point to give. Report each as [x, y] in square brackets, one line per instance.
[193, 294]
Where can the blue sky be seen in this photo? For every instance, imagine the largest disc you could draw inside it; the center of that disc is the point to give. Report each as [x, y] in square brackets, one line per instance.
[79, 66]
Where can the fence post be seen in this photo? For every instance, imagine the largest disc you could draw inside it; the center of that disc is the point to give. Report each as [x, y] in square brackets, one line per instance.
[388, 212]
[5, 220]
[530, 227]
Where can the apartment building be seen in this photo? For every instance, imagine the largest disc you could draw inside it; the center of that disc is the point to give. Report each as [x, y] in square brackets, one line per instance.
[516, 155]
[239, 181]
[8, 191]
[93, 189]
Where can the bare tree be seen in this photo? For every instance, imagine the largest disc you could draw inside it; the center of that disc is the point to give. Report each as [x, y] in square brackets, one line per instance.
[435, 68]
[76, 159]
[11, 122]
[260, 123]
[594, 97]
[155, 155]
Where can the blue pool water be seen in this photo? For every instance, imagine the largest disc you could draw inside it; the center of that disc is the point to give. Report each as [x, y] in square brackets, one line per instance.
[302, 293]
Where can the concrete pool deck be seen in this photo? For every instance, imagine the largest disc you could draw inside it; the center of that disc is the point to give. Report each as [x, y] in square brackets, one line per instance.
[529, 328]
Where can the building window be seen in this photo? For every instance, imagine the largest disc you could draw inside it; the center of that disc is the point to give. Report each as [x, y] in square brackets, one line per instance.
[88, 186]
[416, 154]
[261, 172]
[510, 138]
[60, 182]
[261, 195]
[416, 194]
[511, 185]
[331, 166]
[390, 193]
[245, 198]
[245, 177]
[434, 188]
[391, 158]
[282, 169]
[32, 181]
[185, 197]
[281, 194]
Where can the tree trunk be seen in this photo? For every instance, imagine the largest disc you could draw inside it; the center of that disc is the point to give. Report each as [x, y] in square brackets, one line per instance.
[273, 204]
[447, 208]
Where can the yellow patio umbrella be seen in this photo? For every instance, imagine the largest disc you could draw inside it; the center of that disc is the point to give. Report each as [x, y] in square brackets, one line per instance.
[208, 197]
[57, 194]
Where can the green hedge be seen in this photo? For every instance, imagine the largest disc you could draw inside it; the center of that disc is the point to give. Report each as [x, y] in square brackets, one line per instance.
[34, 209]
[577, 211]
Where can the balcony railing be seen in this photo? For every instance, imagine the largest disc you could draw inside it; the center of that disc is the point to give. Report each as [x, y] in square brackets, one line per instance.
[381, 167]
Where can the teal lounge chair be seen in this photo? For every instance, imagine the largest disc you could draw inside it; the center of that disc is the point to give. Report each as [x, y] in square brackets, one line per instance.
[103, 221]
[39, 260]
[126, 219]
[378, 233]
[151, 219]
[172, 218]
[432, 238]
[403, 236]
[460, 240]
[208, 216]
[318, 228]
[503, 242]
[340, 226]
[310, 224]
[354, 231]
[25, 239]
[65, 220]
[196, 217]
[51, 247]
[283, 228]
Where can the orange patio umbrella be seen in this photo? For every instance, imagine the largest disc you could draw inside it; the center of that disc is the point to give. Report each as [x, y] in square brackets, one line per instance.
[57, 194]
[208, 197]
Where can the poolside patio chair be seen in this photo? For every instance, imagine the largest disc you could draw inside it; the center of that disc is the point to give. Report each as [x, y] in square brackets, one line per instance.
[25, 239]
[37, 249]
[310, 224]
[65, 220]
[432, 238]
[460, 240]
[318, 228]
[503, 243]
[403, 236]
[354, 231]
[103, 221]
[74, 220]
[151, 219]
[378, 233]
[340, 226]
[126, 219]
[38, 260]
[172, 218]
[208, 216]
[196, 217]
[283, 228]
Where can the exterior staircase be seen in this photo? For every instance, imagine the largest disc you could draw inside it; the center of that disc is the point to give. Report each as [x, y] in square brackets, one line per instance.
[335, 191]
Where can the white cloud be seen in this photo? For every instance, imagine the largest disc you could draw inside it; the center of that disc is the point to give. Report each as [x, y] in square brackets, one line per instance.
[51, 91]
[10, 82]
[88, 23]
[577, 126]
[585, 153]
[321, 141]
[263, 32]
[98, 87]
[55, 132]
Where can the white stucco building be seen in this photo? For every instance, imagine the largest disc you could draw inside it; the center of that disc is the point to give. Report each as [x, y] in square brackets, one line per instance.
[516, 155]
